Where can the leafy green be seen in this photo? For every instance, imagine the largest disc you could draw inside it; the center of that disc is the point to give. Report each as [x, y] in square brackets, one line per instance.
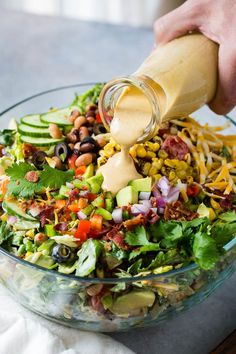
[53, 178]
[7, 137]
[48, 178]
[205, 250]
[90, 96]
[151, 247]
[137, 237]
[88, 255]
[229, 216]
[5, 232]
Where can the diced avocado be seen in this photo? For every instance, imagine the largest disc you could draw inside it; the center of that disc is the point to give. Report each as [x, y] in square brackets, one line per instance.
[89, 171]
[78, 183]
[142, 184]
[64, 191]
[95, 183]
[126, 196]
[49, 230]
[127, 304]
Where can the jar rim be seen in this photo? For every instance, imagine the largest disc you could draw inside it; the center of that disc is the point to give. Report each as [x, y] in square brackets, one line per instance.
[107, 101]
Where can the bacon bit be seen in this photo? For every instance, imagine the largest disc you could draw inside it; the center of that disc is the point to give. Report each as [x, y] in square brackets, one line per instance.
[28, 150]
[117, 237]
[177, 211]
[164, 130]
[61, 226]
[175, 147]
[46, 214]
[227, 204]
[138, 220]
[32, 176]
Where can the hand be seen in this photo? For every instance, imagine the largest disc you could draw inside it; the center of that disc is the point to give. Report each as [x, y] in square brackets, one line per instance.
[216, 19]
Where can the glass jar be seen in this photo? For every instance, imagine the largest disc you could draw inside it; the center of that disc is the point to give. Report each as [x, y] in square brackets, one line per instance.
[177, 79]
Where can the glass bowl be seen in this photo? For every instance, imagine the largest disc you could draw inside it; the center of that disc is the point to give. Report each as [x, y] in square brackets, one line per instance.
[67, 299]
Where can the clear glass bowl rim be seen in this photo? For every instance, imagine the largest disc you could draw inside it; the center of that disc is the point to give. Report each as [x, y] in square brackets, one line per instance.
[190, 267]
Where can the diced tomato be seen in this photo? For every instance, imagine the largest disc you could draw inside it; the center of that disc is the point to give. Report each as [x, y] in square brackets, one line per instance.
[74, 207]
[80, 171]
[71, 162]
[82, 203]
[83, 230]
[96, 222]
[91, 196]
[60, 203]
[193, 190]
[98, 118]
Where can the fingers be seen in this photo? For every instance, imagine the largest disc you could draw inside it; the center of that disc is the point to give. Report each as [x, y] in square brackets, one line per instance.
[225, 98]
[175, 24]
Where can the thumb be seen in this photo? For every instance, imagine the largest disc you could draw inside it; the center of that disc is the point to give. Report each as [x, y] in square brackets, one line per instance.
[225, 98]
[176, 23]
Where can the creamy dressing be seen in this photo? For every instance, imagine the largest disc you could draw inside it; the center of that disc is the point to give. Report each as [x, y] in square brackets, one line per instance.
[183, 75]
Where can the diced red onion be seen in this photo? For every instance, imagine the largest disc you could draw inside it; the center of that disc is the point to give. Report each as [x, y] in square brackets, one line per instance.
[83, 193]
[161, 202]
[137, 209]
[147, 203]
[81, 215]
[11, 220]
[156, 192]
[164, 185]
[144, 195]
[154, 210]
[161, 210]
[173, 195]
[70, 185]
[117, 215]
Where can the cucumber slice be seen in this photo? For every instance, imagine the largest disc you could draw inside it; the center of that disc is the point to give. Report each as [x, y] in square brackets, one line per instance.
[33, 131]
[33, 120]
[13, 208]
[26, 225]
[40, 141]
[59, 117]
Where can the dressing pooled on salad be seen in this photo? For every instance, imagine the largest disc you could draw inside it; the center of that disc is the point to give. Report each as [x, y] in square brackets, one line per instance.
[182, 75]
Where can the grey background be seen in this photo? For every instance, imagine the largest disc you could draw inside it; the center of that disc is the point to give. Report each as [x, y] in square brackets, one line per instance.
[38, 53]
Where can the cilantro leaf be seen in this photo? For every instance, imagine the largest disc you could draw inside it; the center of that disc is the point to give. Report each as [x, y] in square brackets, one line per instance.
[222, 233]
[53, 178]
[18, 185]
[48, 178]
[205, 250]
[151, 247]
[137, 237]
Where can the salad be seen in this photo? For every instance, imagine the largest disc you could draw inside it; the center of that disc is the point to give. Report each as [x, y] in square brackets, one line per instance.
[55, 213]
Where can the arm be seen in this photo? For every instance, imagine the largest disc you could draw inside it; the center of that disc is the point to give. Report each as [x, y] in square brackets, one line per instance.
[216, 19]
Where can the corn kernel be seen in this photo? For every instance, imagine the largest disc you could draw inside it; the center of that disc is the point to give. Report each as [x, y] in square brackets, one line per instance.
[164, 171]
[181, 174]
[30, 234]
[171, 162]
[157, 177]
[212, 214]
[141, 152]
[152, 171]
[158, 163]
[182, 165]
[150, 155]
[146, 168]
[162, 154]
[172, 175]
[189, 179]
[132, 151]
